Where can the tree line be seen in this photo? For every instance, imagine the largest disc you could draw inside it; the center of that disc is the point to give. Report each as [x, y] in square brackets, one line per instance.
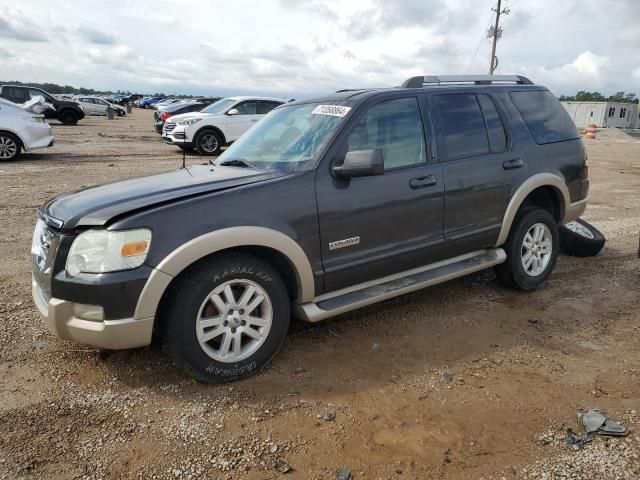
[56, 89]
[582, 96]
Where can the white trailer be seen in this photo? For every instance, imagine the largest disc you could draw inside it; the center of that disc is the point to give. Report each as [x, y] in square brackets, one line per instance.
[603, 114]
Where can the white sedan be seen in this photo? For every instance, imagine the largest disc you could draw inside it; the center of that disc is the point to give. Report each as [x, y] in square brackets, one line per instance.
[97, 106]
[21, 129]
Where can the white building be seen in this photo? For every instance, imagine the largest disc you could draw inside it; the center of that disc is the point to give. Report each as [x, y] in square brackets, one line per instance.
[603, 114]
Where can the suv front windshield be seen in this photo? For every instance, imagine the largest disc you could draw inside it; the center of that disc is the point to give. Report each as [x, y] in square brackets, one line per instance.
[219, 106]
[288, 138]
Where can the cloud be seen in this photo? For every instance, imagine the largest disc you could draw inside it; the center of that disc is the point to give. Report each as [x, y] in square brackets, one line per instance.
[93, 35]
[588, 70]
[4, 53]
[17, 26]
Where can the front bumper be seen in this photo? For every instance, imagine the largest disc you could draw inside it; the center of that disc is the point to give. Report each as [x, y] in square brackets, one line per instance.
[118, 334]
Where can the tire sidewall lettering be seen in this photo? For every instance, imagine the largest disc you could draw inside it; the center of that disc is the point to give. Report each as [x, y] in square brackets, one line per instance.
[241, 270]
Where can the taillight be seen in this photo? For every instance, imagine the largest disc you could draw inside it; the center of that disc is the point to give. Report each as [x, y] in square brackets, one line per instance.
[584, 174]
[164, 116]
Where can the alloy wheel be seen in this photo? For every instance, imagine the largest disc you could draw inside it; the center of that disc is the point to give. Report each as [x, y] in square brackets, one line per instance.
[8, 148]
[537, 247]
[234, 320]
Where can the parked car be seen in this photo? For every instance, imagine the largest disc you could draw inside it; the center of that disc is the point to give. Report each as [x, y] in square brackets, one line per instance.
[149, 102]
[162, 114]
[98, 106]
[325, 206]
[67, 112]
[166, 101]
[220, 124]
[21, 130]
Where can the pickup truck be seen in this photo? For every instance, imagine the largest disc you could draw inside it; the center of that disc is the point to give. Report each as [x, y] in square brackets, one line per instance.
[67, 112]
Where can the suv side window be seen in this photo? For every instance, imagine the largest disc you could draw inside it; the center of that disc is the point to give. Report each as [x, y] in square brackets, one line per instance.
[545, 116]
[495, 128]
[265, 106]
[395, 126]
[464, 132]
[246, 108]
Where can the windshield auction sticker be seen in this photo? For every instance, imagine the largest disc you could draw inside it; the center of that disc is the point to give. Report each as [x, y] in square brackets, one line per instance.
[333, 110]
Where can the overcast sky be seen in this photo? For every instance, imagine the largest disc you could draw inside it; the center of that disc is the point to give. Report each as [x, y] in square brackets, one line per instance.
[297, 48]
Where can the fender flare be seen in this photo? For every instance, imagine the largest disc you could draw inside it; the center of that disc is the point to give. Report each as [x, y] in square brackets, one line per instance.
[204, 245]
[536, 181]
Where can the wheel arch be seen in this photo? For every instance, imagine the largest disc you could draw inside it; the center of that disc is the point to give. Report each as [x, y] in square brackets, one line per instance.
[536, 190]
[266, 243]
[15, 134]
[210, 127]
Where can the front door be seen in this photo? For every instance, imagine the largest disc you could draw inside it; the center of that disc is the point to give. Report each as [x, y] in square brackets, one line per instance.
[242, 121]
[378, 225]
[480, 165]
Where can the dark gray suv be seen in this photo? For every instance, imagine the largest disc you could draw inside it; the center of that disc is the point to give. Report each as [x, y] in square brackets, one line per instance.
[324, 206]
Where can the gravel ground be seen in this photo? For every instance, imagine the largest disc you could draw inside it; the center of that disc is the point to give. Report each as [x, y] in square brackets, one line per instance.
[461, 380]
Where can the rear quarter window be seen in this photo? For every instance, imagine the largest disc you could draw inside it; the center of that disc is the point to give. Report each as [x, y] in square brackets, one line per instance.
[545, 117]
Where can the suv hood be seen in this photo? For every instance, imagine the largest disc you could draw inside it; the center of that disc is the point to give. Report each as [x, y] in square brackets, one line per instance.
[182, 116]
[97, 206]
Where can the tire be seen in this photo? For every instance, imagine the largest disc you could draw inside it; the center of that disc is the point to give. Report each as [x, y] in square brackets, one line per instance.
[10, 147]
[200, 296]
[527, 225]
[68, 117]
[581, 239]
[208, 142]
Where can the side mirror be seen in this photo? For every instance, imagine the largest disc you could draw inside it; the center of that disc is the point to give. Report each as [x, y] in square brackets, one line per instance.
[233, 111]
[361, 163]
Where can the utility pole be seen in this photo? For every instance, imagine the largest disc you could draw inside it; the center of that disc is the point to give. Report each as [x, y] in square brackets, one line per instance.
[495, 33]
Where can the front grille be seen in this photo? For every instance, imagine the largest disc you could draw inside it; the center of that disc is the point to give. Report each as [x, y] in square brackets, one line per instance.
[169, 126]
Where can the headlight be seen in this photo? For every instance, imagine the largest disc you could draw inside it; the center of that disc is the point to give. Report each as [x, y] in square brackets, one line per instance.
[188, 121]
[100, 251]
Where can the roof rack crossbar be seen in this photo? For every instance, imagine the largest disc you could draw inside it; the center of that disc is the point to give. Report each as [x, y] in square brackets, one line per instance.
[421, 81]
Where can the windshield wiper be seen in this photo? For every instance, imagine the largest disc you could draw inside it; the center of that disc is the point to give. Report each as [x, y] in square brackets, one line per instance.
[236, 162]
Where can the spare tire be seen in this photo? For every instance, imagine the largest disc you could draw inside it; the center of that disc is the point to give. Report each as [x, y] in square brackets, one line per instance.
[581, 239]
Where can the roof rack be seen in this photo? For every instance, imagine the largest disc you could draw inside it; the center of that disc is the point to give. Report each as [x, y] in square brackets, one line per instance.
[421, 81]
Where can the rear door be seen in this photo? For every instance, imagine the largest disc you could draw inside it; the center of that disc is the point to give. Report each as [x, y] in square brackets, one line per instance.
[480, 165]
[241, 122]
[379, 225]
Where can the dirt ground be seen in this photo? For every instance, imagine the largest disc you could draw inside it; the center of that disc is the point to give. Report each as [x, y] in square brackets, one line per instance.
[464, 380]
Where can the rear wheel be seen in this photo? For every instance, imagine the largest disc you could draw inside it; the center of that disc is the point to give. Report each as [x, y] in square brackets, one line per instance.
[9, 146]
[532, 250]
[226, 318]
[68, 117]
[208, 142]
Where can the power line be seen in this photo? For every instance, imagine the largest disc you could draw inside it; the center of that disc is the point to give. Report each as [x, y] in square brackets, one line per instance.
[480, 43]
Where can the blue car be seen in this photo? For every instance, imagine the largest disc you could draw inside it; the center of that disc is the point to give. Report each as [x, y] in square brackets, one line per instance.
[148, 102]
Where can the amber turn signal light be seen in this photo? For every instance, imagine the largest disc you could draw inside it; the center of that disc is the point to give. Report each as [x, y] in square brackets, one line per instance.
[134, 248]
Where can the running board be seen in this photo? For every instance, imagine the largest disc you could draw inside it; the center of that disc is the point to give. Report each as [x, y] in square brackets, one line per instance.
[351, 298]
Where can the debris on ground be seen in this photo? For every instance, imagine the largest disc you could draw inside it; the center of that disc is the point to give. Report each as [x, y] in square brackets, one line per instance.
[329, 416]
[281, 466]
[344, 474]
[596, 422]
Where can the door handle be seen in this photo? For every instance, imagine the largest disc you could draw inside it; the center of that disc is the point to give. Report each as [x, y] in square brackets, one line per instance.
[421, 182]
[513, 164]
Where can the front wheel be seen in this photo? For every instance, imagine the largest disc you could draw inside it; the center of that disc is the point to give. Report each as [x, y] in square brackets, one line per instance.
[208, 142]
[226, 318]
[532, 250]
